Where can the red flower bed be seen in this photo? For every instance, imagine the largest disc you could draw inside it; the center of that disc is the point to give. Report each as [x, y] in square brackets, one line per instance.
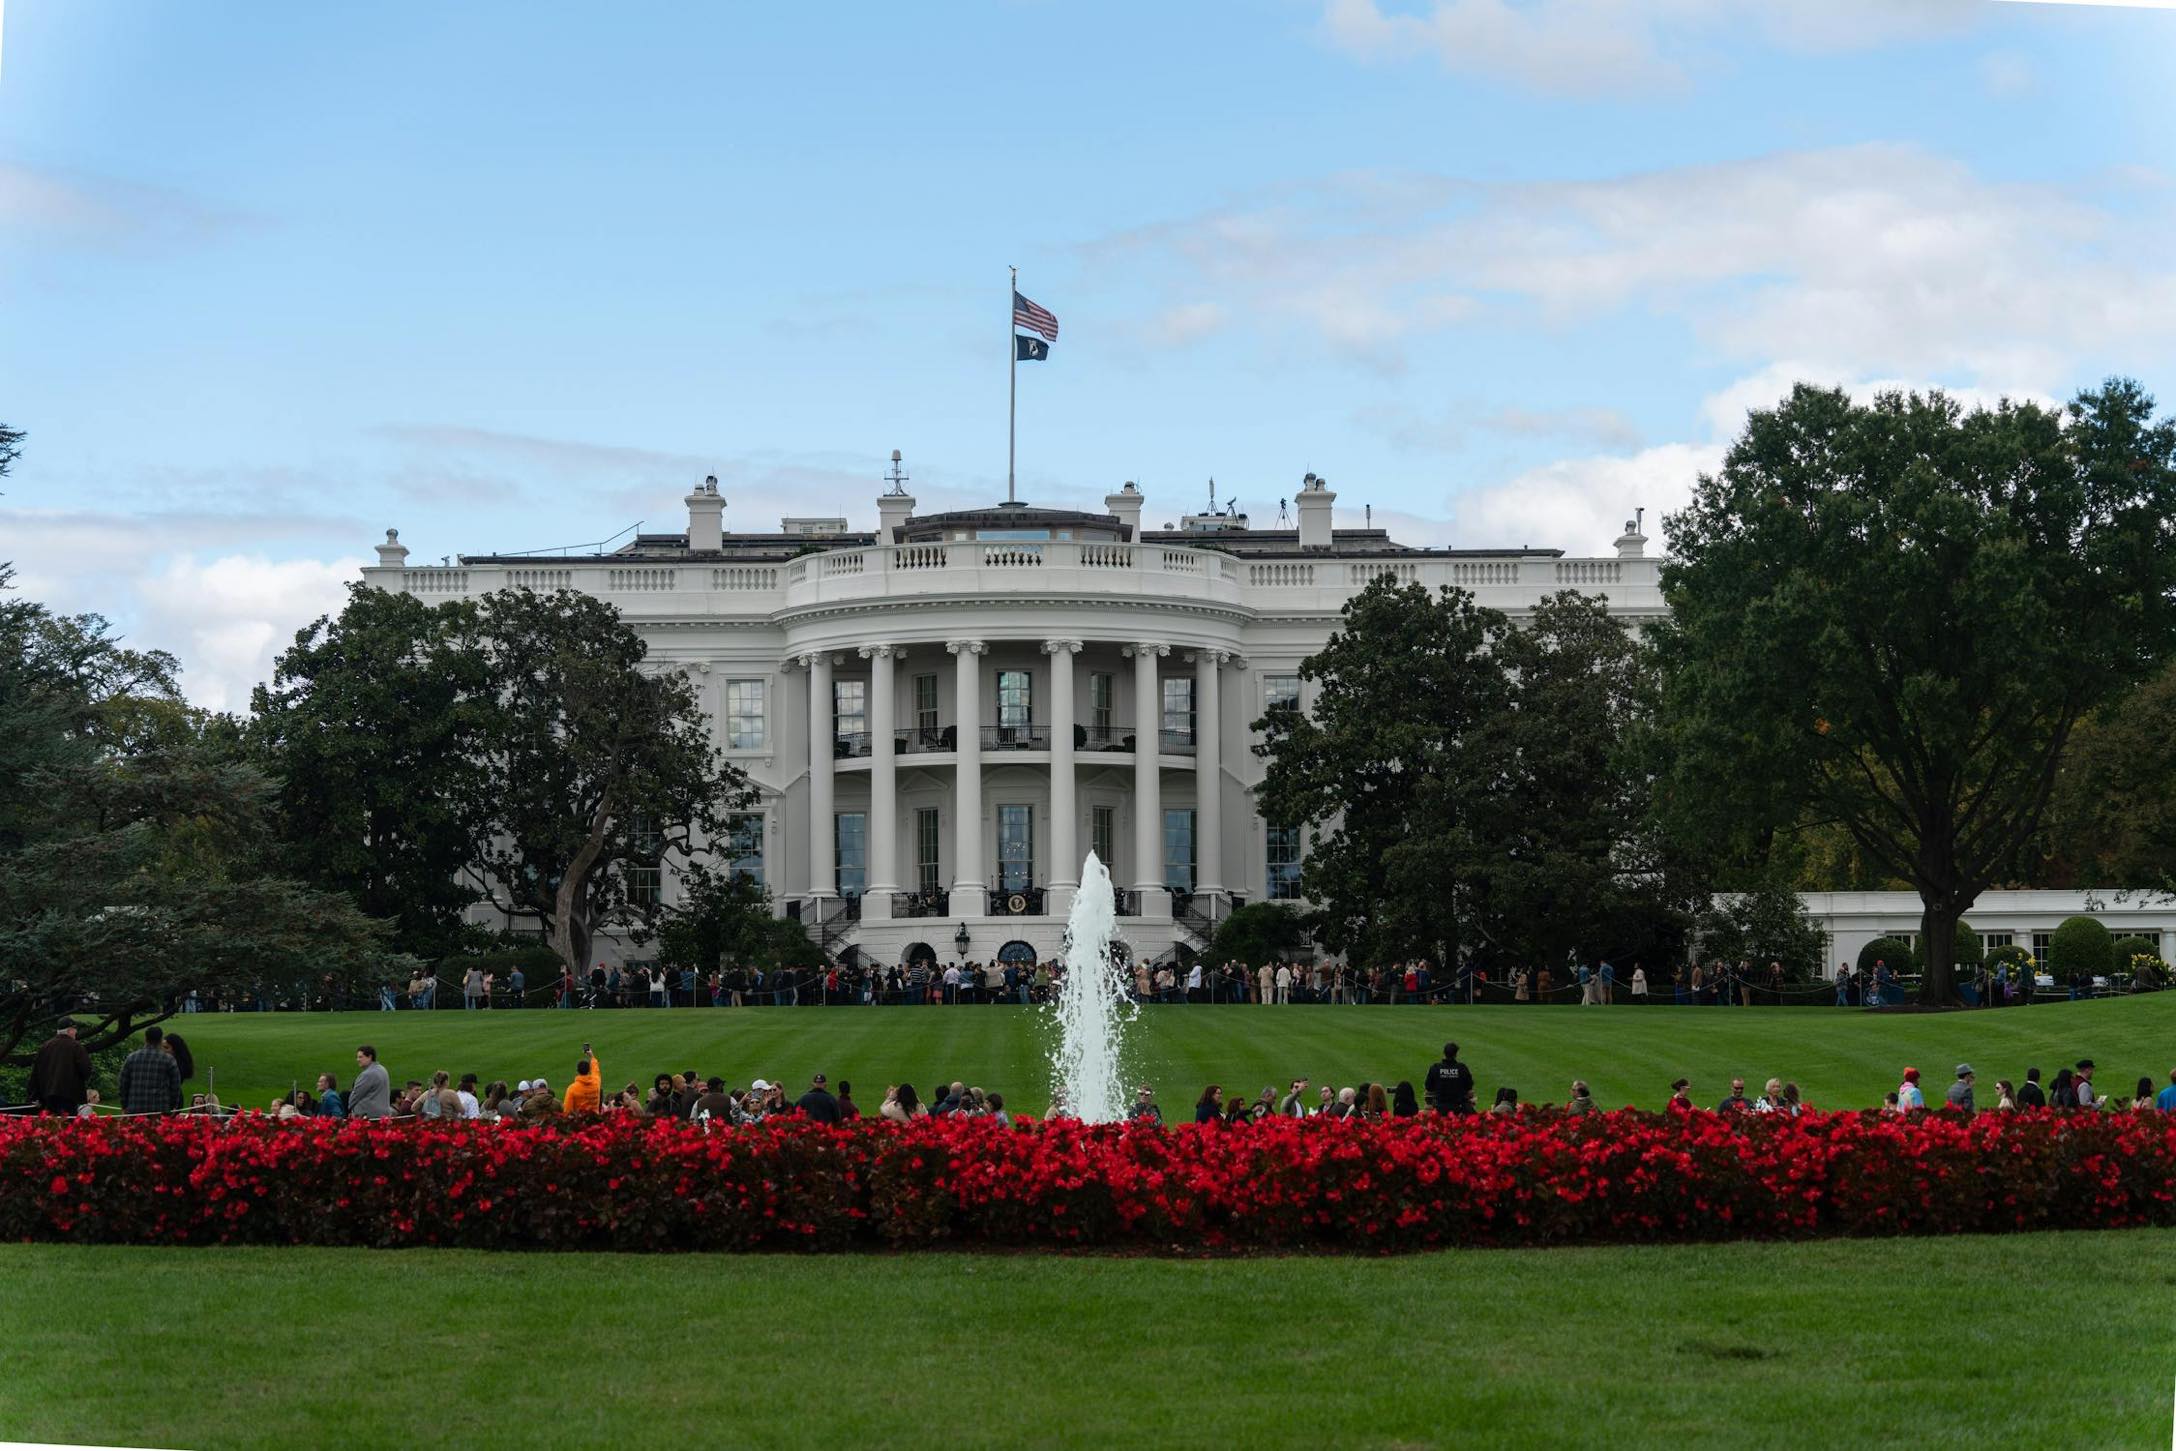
[629, 1183]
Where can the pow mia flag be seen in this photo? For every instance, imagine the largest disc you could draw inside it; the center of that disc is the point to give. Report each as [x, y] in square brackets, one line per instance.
[1035, 328]
[1029, 350]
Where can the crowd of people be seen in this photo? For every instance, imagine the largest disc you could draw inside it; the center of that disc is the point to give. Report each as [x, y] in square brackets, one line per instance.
[152, 1079]
[924, 981]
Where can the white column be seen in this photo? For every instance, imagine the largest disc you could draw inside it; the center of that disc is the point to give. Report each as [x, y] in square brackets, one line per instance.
[1208, 772]
[1148, 797]
[823, 862]
[883, 786]
[968, 889]
[1064, 874]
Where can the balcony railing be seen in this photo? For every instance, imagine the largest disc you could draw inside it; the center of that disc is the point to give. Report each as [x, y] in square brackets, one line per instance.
[932, 740]
[929, 902]
[924, 740]
[1016, 901]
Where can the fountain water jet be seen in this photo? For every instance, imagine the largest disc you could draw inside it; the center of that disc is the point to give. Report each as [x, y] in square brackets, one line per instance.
[1091, 1005]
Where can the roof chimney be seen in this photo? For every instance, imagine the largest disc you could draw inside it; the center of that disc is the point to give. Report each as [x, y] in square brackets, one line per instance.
[895, 506]
[392, 554]
[706, 518]
[1314, 503]
[1126, 505]
[1632, 544]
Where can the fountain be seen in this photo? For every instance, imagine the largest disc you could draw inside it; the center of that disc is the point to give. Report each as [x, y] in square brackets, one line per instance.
[1091, 1006]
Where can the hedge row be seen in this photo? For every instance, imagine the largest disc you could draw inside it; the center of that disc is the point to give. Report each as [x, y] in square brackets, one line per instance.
[633, 1184]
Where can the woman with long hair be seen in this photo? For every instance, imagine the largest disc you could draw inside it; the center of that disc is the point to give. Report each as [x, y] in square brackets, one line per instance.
[1210, 1106]
[1404, 1103]
[1378, 1104]
[905, 1104]
[178, 1050]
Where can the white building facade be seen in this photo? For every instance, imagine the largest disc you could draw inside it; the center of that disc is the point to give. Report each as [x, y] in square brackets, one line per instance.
[2025, 918]
[944, 716]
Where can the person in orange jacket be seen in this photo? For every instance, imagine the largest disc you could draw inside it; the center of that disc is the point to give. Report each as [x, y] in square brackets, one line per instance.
[586, 1093]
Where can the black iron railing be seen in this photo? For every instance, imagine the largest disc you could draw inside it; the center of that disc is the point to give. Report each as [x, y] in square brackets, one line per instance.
[933, 902]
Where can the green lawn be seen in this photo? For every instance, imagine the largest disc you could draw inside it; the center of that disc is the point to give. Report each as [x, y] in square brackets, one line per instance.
[2032, 1340]
[1840, 1058]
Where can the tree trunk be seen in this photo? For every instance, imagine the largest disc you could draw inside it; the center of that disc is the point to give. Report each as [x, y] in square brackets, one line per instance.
[1938, 944]
[570, 904]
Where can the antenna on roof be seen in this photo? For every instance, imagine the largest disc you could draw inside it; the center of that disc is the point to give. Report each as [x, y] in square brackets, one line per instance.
[1283, 516]
[897, 478]
[1367, 511]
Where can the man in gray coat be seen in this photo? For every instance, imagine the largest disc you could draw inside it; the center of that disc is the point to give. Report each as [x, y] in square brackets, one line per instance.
[371, 1095]
[1960, 1092]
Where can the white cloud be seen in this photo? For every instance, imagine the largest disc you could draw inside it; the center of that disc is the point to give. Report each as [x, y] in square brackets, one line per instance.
[1188, 322]
[106, 211]
[203, 586]
[1619, 47]
[1448, 430]
[2006, 74]
[228, 617]
[1880, 259]
[1580, 504]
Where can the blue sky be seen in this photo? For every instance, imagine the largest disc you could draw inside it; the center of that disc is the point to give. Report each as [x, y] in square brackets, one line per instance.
[276, 277]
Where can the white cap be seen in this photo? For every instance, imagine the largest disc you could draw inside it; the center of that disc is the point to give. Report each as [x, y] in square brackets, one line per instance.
[523, 1087]
[760, 1086]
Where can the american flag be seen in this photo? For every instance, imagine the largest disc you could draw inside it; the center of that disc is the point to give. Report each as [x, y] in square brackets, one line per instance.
[1034, 318]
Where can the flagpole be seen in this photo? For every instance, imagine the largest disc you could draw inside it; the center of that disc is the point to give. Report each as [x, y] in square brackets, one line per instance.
[1012, 401]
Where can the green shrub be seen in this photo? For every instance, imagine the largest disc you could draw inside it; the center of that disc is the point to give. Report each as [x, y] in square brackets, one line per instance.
[2018, 958]
[1893, 950]
[2080, 950]
[2126, 948]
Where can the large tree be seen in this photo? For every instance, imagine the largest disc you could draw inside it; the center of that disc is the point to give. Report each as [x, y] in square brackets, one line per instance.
[2112, 822]
[133, 847]
[374, 721]
[1389, 769]
[591, 765]
[1572, 865]
[1892, 616]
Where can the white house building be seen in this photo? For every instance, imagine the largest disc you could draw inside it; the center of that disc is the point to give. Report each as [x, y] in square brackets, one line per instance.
[944, 715]
[2021, 918]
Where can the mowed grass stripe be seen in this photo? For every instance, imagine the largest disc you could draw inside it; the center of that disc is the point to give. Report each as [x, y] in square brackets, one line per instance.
[1840, 1058]
[1906, 1343]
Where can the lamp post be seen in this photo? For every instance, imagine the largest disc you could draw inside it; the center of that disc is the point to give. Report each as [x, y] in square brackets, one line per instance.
[960, 940]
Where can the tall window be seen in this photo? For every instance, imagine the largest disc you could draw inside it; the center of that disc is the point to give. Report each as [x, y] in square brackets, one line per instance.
[1179, 849]
[1103, 836]
[2040, 941]
[744, 847]
[852, 838]
[925, 703]
[645, 885]
[1015, 848]
[928, 851]
[1284, 863]
[1014, 701]
[642, 836]
[1280, 692]
[850, 709]
[1102, 703]
[1178, 710]
[744, 715]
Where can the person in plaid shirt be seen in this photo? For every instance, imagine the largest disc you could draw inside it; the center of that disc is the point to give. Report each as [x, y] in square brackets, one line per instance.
[150, 1078]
